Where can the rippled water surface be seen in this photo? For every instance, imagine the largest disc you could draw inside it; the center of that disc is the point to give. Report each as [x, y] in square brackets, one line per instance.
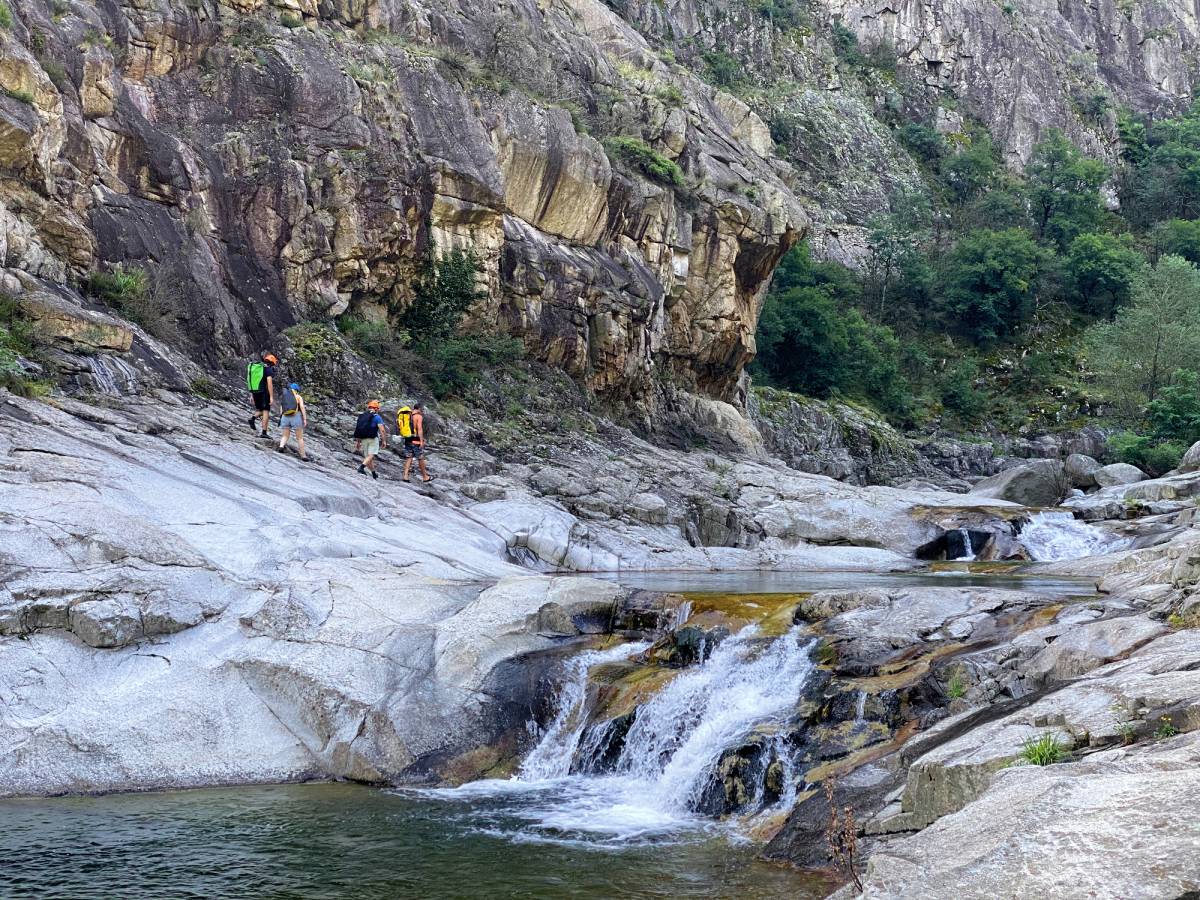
[345, 841]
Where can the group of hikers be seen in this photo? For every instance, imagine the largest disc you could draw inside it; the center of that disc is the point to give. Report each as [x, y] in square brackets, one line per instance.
[370, 432]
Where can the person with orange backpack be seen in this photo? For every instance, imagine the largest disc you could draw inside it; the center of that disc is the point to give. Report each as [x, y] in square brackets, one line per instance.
[370, 436]
[410, 425]
[260, 381]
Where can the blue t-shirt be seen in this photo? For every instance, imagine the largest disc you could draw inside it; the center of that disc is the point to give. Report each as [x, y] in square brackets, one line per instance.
[376, 422]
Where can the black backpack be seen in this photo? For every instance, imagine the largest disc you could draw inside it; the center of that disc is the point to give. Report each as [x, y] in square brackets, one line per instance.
[365, 427]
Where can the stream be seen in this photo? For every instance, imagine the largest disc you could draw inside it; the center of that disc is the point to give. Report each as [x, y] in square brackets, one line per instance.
[584, 815]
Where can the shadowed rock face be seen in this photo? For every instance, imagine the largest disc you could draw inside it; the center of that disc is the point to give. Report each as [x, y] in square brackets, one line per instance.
[279, 174]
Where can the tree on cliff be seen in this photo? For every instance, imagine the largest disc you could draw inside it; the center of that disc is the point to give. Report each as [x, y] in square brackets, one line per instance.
[1152, 340]
[1063, 187]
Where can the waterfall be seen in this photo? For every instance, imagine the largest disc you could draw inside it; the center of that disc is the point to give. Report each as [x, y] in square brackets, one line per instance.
[968, 554]
[678, 736]
[1057, 535]
[107, 375]
[860, 708]
[551, 758]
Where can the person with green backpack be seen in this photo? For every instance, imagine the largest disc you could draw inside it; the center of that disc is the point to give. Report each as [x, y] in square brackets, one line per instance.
[260, 381]
[294, 418]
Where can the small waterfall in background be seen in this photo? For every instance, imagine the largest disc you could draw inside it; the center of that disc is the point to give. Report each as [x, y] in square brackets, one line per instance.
[1052, 536]
[107, 375]
[968, 554]
[860, 708]
[552, 757]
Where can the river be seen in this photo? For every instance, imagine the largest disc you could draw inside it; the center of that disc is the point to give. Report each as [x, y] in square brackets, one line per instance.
[549, 832]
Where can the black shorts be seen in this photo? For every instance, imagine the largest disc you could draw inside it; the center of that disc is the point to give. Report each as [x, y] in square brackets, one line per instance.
[262, 400]
[412, 450]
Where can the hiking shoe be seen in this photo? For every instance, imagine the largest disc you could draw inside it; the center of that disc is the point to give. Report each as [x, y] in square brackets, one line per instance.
[374, 474]
[281, 449]
[362, 470]
[253, 421]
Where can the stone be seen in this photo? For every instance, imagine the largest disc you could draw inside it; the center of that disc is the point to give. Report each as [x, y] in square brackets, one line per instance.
[1191, 459]
[1118, 474]
[1039, 483]
[648, 508]
[57, 321]
[1081, 471]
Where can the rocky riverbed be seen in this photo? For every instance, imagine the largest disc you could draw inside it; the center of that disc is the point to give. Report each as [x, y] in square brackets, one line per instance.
[183, 606]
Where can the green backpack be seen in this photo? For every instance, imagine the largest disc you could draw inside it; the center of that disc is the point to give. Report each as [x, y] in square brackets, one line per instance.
[254, 376]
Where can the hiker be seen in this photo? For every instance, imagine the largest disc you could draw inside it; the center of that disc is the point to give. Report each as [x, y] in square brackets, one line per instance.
[294, 417]
[260, 379]
[410, 425]
[370, 436]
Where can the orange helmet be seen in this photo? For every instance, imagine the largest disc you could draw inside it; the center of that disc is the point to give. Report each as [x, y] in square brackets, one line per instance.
[270, 357]
[374, 404]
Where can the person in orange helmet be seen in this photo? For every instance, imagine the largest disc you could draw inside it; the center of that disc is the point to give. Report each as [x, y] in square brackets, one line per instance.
[370, 436]
[260, 380]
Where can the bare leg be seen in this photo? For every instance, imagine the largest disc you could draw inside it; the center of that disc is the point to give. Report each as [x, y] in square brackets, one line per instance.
[265, 420]
[424, 471]
[284, 439]
[300, 441]
[407, 467]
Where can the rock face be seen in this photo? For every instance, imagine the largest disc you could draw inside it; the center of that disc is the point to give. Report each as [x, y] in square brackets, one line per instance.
[271, 174]
[1117, 474]
[1038, 483]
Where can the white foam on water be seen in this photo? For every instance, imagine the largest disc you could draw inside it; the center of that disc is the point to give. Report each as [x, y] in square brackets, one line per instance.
[670, 751]
[1053, 536]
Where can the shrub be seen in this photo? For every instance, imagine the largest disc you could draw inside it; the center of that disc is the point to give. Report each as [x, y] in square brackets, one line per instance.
[456, 364]
[22, 96]
[120, 287]
[1148, 454]
[646, 160]
[16, 342]
[1043, 751]
[1166, 729]
[670, 95]
[923, 142]
[723, 70]
[1175, 413]
[6, 18]
[144, 300]
[959, 394]
[291, 20]
[445, 291]
[845, 44]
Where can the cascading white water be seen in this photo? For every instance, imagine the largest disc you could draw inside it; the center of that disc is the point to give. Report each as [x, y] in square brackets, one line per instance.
[551, 758]
[678, 736]
[671, 749]
[1057, 535]
[968, 550]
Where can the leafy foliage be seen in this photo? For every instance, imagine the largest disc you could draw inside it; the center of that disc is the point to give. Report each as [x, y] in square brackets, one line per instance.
[1149, 454]
[646, 160]
[990, 281]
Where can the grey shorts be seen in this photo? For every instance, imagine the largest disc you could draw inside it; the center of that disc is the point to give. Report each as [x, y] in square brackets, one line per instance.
[413, 451]
[370, 446]
[294, 420]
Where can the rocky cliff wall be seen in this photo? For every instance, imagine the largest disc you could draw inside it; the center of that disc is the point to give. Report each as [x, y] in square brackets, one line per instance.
[295, 161]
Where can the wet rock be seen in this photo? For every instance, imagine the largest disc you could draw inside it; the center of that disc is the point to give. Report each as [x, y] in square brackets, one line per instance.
[1039, 483]
[688, 646]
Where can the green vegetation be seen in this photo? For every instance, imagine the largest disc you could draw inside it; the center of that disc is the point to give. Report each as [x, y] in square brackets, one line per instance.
[1043, 751]
[635, 153]
[723, 70]
[1011, 299]
[1166, 729]
[122, 287]
[428, 342]
[17, 343]
[133, 294]
[6, 17]
[956, 689]
[291, 20]
[22, 96]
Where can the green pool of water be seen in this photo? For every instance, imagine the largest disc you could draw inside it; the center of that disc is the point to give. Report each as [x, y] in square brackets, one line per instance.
[346, 841]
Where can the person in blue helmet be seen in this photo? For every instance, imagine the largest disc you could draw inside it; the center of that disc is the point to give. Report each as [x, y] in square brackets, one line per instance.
[294, 418]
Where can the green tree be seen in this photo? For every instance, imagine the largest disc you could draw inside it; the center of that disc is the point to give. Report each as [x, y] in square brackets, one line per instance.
[802, 342]
[971, 171]
[895, 241]
[1175, 414]
[444, 293]
[1139, 353]
[1177, 237]
[990, 281]
[1102, 269]
[1063, 187]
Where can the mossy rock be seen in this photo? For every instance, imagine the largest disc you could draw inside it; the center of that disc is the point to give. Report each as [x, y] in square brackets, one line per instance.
[318, 358]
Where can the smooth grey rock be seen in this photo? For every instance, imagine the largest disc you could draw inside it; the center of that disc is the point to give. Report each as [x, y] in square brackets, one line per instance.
[1191, 459]
[1081, 471]
[1038, 483]
[1118, 474]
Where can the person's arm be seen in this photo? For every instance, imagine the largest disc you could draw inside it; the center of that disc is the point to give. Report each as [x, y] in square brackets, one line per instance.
[421, 431]
[303, 411]
[382, 435]
[270, 390]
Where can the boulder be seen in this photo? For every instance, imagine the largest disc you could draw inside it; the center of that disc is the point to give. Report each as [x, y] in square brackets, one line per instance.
[1042, 482]
[1117, 474]
[1191, 459]
[58, 322]
[1081, 471]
